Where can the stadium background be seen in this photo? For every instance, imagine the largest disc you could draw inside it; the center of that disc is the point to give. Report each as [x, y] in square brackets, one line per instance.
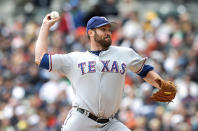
[32, 99]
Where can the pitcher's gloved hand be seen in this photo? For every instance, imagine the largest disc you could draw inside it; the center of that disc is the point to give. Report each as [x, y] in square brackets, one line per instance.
[166, 93]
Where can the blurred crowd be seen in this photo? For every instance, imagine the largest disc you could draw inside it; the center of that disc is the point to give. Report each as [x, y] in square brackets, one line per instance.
[32, 99]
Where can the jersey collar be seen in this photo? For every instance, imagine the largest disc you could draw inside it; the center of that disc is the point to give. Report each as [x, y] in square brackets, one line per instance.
[98, 52]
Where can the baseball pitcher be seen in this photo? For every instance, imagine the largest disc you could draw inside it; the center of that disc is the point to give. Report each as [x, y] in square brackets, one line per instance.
[98, 76]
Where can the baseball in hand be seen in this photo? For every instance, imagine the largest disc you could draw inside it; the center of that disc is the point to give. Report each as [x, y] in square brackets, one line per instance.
[54, 14]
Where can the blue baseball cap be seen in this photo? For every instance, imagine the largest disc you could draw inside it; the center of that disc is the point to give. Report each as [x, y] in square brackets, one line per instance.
[97, 21]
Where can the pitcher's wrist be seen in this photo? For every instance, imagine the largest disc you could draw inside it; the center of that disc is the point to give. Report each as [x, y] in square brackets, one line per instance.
[45, 25]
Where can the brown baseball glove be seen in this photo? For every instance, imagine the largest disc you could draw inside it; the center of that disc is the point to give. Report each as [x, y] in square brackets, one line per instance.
[166, 93]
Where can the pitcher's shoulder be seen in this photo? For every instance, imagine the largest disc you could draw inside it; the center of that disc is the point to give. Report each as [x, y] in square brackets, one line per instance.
[78, 54]
[120, 49]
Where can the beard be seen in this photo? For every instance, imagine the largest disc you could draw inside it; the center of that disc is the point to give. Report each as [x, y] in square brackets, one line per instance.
[105, 42]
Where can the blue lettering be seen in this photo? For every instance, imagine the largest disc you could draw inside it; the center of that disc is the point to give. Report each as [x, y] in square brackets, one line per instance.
[82, 66]
[123, 68]
[105, 66]
[92, 66]
[114, 67]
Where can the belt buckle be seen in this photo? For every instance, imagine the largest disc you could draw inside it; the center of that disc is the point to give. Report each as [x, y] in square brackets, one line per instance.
[86, 113]
[98, 119]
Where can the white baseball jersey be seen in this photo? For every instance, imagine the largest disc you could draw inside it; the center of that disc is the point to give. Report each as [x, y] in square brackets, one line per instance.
[98, 81]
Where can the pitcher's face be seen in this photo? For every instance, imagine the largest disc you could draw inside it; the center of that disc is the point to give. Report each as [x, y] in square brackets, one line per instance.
[103, 35]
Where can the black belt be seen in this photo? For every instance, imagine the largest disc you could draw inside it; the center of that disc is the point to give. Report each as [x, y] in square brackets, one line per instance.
[93, 117]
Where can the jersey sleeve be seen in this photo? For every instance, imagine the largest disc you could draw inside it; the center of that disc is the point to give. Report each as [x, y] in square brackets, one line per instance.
[145, 70]
[60, 62]
[135, 61]
[45, 62]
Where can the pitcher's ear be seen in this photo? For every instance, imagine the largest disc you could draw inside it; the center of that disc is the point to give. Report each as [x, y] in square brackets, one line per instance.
[90, 32]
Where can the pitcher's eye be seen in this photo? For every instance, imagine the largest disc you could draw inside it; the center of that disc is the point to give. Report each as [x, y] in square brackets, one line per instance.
[103, 29]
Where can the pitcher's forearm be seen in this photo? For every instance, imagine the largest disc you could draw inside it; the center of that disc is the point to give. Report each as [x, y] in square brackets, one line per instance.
[41, 46]
[151, 77]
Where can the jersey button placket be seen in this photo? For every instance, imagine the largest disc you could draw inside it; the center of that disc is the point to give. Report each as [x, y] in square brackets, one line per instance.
[100, 87]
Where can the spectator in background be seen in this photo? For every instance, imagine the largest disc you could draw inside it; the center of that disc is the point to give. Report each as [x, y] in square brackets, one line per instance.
[42, 3]
[96, 10]
[77, 13]
[125, 7]
[109, 8]
[81, 42]
[66, 24]
[154, 125]
[131, 29]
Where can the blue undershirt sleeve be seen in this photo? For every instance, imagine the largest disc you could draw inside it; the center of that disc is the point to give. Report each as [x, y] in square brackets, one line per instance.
[45, 62]
[145, 70]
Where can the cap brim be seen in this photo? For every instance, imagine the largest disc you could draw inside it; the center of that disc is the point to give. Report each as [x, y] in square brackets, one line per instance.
[112, 24]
